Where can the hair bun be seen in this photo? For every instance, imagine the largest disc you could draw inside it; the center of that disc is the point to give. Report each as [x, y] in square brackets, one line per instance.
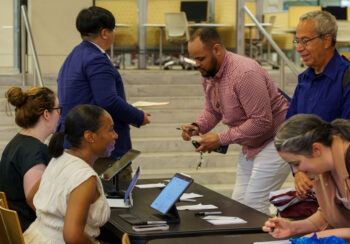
[16, 97]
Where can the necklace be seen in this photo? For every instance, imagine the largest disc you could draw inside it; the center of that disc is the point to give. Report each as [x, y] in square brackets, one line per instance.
[216, 94]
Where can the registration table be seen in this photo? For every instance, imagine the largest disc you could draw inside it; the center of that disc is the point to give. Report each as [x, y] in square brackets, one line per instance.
[218, 239]
[190, 225]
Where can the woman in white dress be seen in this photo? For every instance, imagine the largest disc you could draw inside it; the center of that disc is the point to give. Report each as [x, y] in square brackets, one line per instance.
[70, 202]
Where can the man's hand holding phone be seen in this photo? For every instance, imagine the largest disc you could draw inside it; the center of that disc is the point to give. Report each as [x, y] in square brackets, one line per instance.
[188, 131]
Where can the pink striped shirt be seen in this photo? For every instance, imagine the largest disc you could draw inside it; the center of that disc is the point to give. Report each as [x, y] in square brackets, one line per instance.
[249, 104]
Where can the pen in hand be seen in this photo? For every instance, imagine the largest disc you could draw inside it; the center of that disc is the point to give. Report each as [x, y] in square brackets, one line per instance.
[189, 129]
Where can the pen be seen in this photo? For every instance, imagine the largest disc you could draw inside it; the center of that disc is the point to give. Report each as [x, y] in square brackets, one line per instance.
[208, 213]
[187, 200]
[189, 129]
[156, 222]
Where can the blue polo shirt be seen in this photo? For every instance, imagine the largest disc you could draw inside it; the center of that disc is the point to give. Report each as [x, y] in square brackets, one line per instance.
[322, 94]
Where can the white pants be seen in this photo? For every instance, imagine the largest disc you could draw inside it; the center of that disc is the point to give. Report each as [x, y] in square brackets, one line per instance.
[257, 177]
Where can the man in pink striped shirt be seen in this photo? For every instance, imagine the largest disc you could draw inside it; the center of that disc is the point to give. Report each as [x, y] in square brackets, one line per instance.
[240, 93]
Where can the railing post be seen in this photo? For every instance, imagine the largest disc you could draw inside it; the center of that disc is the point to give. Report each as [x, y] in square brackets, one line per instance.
[272, 42]
[282, 74]
[142, 13]
[31, 42]
[23, 52]
[240, 27]
[17, 35]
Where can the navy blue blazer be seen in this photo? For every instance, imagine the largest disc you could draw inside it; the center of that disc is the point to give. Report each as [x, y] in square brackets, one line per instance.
[87, 76]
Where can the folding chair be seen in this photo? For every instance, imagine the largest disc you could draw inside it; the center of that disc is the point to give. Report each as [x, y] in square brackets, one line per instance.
[176, 30]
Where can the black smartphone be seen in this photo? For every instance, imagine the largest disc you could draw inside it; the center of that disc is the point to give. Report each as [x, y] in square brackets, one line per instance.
[221, 149]
[195, 143]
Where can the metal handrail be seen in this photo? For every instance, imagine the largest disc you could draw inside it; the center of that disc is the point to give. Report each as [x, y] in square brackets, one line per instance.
[284, 58]
[25, 23]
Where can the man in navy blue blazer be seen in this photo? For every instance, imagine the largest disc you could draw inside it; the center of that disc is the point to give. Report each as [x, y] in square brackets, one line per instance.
[87, 76]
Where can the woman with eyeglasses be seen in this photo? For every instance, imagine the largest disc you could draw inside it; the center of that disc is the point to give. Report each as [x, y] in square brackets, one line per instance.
[70, 202]
[26, 156]
[322, 151]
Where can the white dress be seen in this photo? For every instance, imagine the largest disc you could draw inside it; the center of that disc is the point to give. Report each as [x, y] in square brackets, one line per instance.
[60, 178]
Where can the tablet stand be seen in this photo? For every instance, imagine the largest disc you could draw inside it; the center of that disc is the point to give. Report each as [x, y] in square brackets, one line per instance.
[116, 191]
[172, 217]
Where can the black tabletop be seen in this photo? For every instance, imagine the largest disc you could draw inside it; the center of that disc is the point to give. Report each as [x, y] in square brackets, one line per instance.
[190, 225]
[219, 239]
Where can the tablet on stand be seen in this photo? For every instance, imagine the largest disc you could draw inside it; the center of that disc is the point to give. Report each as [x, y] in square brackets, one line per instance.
[112, 171]
[165, 201]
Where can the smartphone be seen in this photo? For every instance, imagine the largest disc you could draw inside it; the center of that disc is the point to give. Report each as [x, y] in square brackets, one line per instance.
[150, 227]
[221, 149]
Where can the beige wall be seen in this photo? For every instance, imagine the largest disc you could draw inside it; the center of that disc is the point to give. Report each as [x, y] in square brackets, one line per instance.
[54, 32]
[125, 11]
[6, 33]
[53, 26]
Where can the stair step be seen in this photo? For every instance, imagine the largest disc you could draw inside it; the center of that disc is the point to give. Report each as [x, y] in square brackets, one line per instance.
[179, 102]
[167, 144]
[147, 90]
[162, 77]
[184, 160]
[201, 176]
[163, 150]
[164, 130]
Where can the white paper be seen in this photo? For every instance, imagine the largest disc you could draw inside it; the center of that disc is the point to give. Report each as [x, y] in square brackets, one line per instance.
[141, 104]
[146, 186]
[273, 242]
[197, 207]
[117, 203]
[224, 220]
[189, 196]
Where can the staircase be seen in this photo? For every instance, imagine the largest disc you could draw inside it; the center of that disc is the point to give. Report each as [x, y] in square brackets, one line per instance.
[163, 151]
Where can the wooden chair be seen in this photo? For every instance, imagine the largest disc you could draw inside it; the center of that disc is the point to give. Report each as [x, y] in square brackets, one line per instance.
[125, 239]
[9, 219]
[3, 232]
[3, 198]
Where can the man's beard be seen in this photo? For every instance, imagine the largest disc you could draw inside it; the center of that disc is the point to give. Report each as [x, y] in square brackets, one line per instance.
[212, 71]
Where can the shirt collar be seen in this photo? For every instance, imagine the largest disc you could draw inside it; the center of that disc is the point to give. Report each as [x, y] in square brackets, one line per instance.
[219, 74]
[102, 51]
[331, 68]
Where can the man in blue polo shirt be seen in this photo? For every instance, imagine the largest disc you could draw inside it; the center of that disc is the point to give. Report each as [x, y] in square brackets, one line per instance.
[319, 90]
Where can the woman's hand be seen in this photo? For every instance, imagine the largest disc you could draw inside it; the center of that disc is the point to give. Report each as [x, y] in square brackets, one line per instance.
[278, 228]
[303, 185]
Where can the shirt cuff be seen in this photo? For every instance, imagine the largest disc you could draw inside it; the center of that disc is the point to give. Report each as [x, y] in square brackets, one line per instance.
[224, 139]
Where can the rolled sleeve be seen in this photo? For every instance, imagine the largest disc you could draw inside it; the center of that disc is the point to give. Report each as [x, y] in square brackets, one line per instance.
[319, 220]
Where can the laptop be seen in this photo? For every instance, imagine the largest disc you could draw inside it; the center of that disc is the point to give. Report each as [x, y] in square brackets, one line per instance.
[127, 201]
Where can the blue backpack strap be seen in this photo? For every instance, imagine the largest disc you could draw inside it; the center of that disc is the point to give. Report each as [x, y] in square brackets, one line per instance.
[346, 78]
[288, 97]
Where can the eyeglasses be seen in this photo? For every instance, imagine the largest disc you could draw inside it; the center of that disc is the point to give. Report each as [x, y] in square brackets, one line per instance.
[59, 109]
[304, 42]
